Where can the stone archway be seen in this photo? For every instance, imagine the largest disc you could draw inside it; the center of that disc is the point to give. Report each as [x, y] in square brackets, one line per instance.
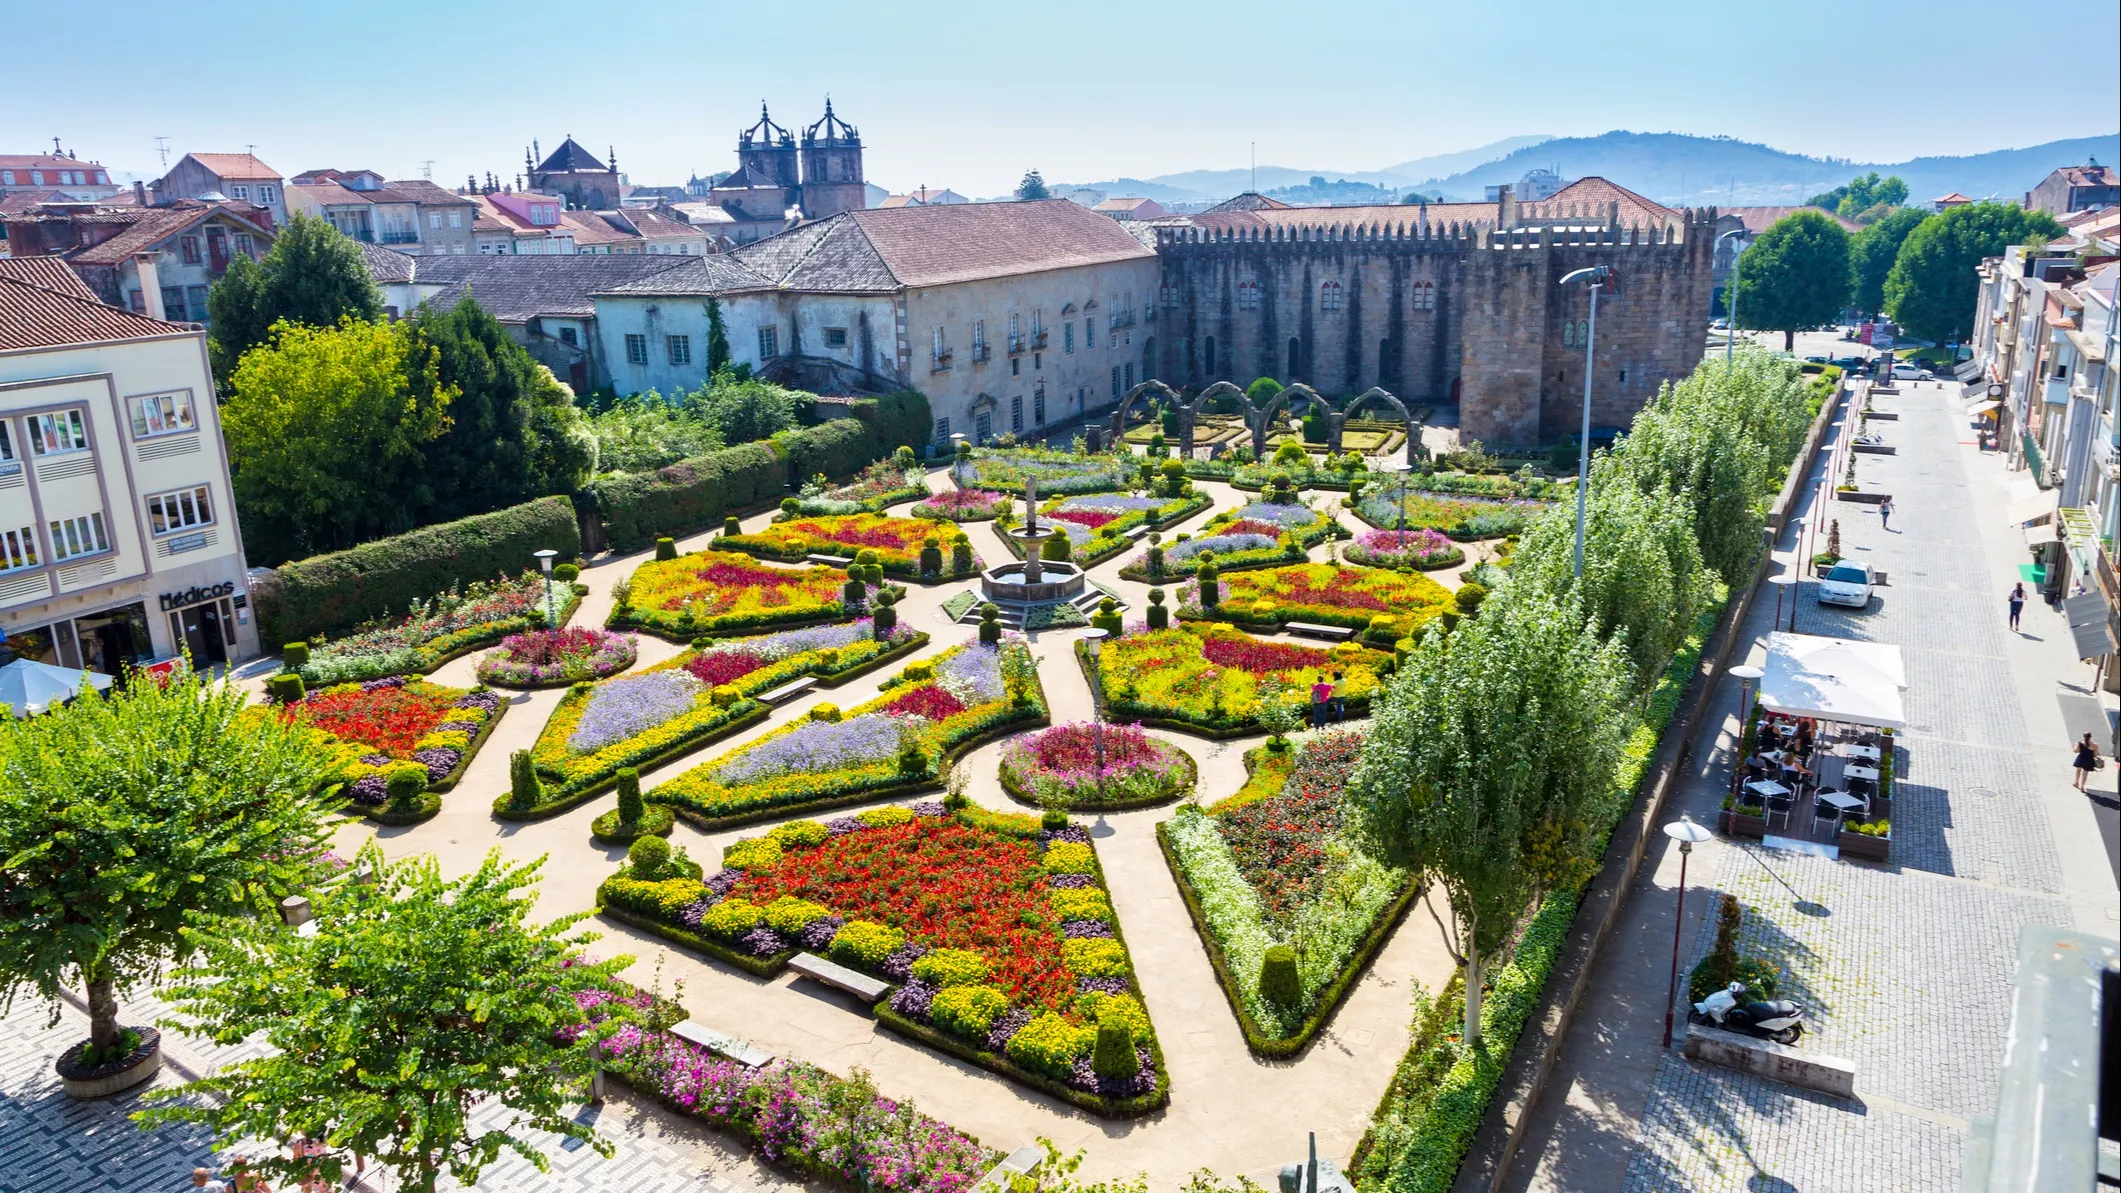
[1262, 416]
[1375, 394]
[1170, 398]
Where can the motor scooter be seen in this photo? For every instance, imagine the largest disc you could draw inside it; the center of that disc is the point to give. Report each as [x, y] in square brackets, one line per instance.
[1780, 1020]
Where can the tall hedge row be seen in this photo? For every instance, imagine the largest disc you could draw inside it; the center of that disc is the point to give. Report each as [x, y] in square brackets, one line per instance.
[636, 508]
[328, 594]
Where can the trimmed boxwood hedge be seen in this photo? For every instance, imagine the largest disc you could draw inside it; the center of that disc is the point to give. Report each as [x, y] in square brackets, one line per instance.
[327, 594]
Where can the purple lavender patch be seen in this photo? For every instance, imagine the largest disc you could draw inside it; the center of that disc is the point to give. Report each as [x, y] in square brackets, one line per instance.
[377, 685]
[818, 933]
[1070, 882]
[1084, 929]
[1005, 1026]
[928, 807]
[692, 913]
[1075, 833]
[439, 761]
[1101, 985]
[913, 999]
[840, 826]
[468, 728]
[762, 942]
[486, 700]
[377, 759]
[1143, 1081]
[369, 790]
[721, 882]
[899, 965]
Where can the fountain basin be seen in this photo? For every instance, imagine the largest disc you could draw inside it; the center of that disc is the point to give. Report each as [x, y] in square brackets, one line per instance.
[1058, 583]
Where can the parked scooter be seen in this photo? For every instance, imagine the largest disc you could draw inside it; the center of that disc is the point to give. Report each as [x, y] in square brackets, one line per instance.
[1781, 1020]
[1871, 439]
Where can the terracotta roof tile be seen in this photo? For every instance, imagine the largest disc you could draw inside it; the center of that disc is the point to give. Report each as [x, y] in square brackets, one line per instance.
[516, 288]
[1759, 219]
[152, 225]
[591, 228]
[386, 265]
[32, 316]
[2087, 175]
[1595, 195]
[235, 165]
[878, 250]
[52, 273]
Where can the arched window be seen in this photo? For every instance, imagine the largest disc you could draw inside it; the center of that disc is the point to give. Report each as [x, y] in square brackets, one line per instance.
[1296, 357]
[1568, 334]
[1583, 332]
[1248, 296]
[1329, 296]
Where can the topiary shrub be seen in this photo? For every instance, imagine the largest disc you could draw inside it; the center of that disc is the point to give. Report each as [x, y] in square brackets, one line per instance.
[1211, 588]
[630, 805]
[791, 507]
[294, 656]
[853, 592]
[285, 688]
[666, 548]
[1469, 597]
[404, 785]
[1113, 1055]
[1159, 617]
[730, 529]
[885, 616]
[1056, 549]
[648, 858]
[961, 556]
[912, 761]
[1107, 617]
[827, 713]
[931, 558]
[1278, 983]
[990, 624]
[566, 573]
[905, 458]
[523, 790]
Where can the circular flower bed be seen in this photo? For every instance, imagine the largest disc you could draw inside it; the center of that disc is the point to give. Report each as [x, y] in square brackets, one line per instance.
[1060, 766]
[1423, 550]
[556, 658]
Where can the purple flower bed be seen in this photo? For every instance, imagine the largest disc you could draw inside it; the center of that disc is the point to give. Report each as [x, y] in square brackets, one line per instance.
[1005, 1026]
[1063, 882]
[817, 934]
[368, 791]
[1086, 929]
[542, 658]
[622, 708]
[913, 1000]
[1074, 833]
[1222, 545]
[973, 676]
[1288, 517]
[438, 760]
[899, 965]
[482, 700]
[819, 746]
[1143, 1081]
[772, 648]
[377, 685]
[1101, 985]
[762, 942]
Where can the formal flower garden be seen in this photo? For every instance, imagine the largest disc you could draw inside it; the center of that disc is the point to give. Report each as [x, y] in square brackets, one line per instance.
[884, 483]
[1086, 766]
[1384, 605]
[373, 729]
[686, 702]
[1407, 550]
[898, 542]
[438, 630]
[1217, 680]
[898, 742]
[1057, 472]
[710, 592]
[962, 505]
[1289, 909]
[1261, 534]
[999, 935]
[1097, 524]
[554, 658]
[1464, 518]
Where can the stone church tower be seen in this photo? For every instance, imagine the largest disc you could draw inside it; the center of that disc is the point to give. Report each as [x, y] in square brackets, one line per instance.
[575, 174]
[766, 151]
[832, 168]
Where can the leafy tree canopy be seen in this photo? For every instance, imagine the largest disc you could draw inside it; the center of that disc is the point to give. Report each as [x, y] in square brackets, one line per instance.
[1033, 186]
[125, 817]
[1861, 194]
[1931, 290]
[314, 275]
[1871, 255]
[1793, 276]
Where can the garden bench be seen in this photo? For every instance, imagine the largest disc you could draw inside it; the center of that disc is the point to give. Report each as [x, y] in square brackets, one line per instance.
[838, 561]
[832, 973]
[1024, 1161]
[742, 1052]
[1312, 629]
[1139, 532]
[788, 691]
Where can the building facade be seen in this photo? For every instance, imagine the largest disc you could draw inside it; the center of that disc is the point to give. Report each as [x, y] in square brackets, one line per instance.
[1443, 304]
[238, 176]
[412, 216]
[575, 175]
[2075, 188]
[56, 176]
[155, 261]
[779, 182]
[118, 537]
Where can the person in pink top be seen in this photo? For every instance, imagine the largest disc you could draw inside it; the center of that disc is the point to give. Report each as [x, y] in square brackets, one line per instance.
[1321, 696]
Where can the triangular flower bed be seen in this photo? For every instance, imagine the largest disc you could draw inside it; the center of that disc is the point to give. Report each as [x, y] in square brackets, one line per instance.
[722, 592]
[999, 935]
[1268, 867]
[370, 727]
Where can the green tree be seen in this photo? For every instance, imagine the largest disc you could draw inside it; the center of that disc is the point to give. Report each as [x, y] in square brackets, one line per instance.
[1033, 186]
[314, 274]
[744, 410]
[514, 432]
[1871, 255]
[717, 338]
[326, 433]
[384, 1059]
[1860, 195]
[1794, 276]
[1487, 755]
[124, 818]
[1931, 290]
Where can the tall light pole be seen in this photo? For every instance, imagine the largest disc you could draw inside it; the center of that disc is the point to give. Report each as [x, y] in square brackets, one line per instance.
[1402, 468]
[1730, 295]
[1688, 834]
[1095, 640]
[1595, 278]
[545, 558]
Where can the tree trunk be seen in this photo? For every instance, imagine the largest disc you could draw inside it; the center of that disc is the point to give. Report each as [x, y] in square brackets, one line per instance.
[102, 1012]
[1789, 340]
[1472, 1025]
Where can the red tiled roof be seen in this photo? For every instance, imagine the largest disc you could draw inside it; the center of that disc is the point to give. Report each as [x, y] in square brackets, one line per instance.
[1954, 197]
[18, 202]
[591, 228]
[1758, 219]
[235, 165]
[32, 316]
[878, 250]
[43, 161]
[1592, 198]
[52, 273]
[152, 225]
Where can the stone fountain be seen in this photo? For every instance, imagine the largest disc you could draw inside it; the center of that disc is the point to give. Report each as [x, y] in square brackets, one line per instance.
[1035, 582]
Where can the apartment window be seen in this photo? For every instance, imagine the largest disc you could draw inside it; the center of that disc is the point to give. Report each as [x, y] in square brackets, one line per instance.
[1016, 413]
[1016, 366]
[1038, 361]
[434, 219]
[9, 464]
[1067, 337]
[935, 348]
[161, 414]
[1016, 337]
[267, 194]
[245, 247]
[1089, 334]
[769, 342]
[569, 338]
[18, 549]
[1038, 322]
[58, 432]
[680, 348]
[173, 303]
[181, 510]
[836, 337]
[636, 349]
[7, 177]
[36, 178]
[78, 536]
[195, 298]
[1116, 391]
[188, 247]
[1130, 374]
[239, 192]
[456, 219]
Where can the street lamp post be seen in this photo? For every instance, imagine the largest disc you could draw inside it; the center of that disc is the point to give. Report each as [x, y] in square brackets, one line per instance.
[1595, 278]
[1402, 468]
[1730, 296]
[1096, 641]
[1747, 676]
[1687, 833]
[545, 558]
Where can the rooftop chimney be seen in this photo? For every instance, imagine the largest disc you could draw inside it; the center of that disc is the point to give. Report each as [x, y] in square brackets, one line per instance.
[139, 193]
[150, 285]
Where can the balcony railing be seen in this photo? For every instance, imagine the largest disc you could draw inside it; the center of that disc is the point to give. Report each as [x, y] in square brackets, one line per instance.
[939, 361]
[399, 236]
[980, 353]
[1016, 345]
[1122, 319]
[1038, 339]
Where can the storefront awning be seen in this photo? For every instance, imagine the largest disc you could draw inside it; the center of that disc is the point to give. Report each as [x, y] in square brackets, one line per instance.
[1986, 408]
[2031, 510]
[2090, 624]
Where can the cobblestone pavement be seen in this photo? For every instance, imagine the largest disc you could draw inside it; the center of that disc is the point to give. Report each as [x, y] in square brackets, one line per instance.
[50, 1143]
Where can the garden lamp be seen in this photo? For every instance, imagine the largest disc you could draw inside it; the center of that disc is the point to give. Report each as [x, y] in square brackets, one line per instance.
[1688, 834]
[1402, 467]
[1094, 644]
[1730, 295]
[545, 558]
[1747, 675]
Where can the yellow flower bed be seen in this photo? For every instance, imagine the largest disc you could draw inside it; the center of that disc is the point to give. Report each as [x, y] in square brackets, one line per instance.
[896, 541]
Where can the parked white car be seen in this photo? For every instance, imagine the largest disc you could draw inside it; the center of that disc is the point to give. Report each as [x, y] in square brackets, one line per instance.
[1912, 373]
[1847, 583]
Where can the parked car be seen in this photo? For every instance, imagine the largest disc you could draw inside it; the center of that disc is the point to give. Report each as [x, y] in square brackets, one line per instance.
[1847, 583]
[1719, 323]
[1817, 360]
[1912, 373]
[1848, 363]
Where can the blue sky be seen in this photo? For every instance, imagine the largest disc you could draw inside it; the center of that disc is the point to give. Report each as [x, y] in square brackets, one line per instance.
[970, 95]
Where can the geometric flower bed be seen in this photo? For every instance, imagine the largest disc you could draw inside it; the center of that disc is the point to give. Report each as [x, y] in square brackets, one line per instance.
[961, 505]
[439, 630]
[1097, 524]
[678, 706]
[1060, 767]
[883, 483]
[1383, 605]
[896, 541]
[1210, 679]
[372, 726]
[710, 592]
[1006, 469]
[1000, 936]
[1414, 550]
[1269, 867]
[554, 658]
[1247, 537]
[1462, 518]
[899, 742]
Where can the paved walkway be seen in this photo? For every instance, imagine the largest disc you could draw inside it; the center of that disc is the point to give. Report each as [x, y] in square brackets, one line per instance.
[1904, 969]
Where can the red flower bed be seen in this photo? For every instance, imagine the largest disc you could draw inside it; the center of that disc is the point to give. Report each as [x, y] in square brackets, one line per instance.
[889, 538]
[1074, 748]
[391, 719]
[1251, 526]
[945, 885]
[1261, 658]
[552, 646]
[1278, 842]
[1081, 517]
[728, 582]
[927, 700]
[725, 666]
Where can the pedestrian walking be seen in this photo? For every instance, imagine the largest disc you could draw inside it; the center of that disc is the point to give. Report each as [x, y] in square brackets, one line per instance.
[1885, 514]
[203, 1179]
[1321, 700]
[2017, 604]
[2088, 760]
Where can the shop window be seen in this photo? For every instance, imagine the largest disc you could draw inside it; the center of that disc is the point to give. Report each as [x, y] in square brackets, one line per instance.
[161, 414]
[18, 549]
[83, 535]
[181, 510]
[58, 432]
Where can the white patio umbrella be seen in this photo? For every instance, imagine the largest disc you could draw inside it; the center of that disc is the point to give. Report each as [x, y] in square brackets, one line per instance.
[1834, 679]
[29, 687]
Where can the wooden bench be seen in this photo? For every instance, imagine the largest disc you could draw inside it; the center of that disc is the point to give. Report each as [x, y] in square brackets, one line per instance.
[832, 973]
[742, 1052]
[788, 691]
[1311, 629]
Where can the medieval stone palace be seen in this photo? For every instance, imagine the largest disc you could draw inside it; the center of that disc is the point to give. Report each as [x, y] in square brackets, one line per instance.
[1443, 304]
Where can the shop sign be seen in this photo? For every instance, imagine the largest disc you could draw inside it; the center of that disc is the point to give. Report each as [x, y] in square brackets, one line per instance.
[187, 542]
[193, 596]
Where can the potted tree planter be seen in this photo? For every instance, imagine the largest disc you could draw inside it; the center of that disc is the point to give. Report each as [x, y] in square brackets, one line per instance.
[1866, 847]
[117, 1073]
